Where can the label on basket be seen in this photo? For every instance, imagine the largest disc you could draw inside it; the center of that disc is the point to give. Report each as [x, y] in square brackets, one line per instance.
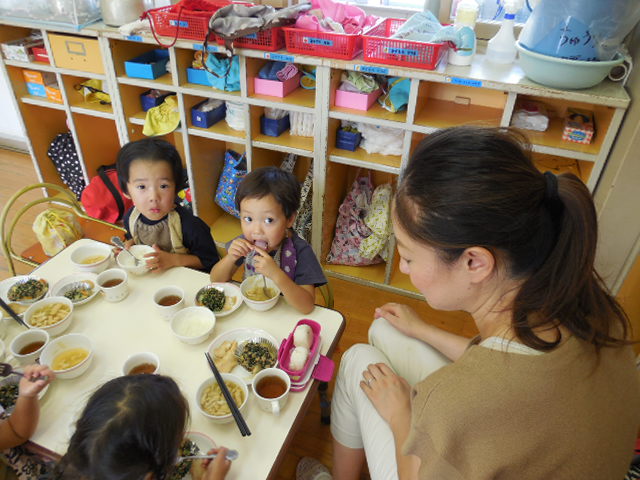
[251, 36]
[371, 69]
[401, 51]
[181, 24]
[210, 48]
[134, 38]
[317, 41]
[279, 57]
[467, 82]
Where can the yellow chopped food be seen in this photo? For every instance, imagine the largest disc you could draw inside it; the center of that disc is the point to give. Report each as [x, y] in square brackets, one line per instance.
[213, 401]
[69, 358]
[92, 259]
[257, 294]
[49, 315]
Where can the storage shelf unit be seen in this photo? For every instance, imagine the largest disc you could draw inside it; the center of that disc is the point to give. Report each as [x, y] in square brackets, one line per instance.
[442, 98]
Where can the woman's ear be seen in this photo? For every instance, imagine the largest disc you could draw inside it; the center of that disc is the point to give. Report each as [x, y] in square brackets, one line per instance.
[479, 263]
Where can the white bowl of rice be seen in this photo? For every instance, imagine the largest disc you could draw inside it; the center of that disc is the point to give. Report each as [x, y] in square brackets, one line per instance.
[193, 325]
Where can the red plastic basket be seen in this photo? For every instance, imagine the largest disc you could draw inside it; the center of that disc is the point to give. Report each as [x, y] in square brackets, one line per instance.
[269, 40]
[342, 46]
[189, 24]
[379, 48]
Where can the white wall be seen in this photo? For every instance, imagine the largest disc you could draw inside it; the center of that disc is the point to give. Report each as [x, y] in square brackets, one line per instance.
[10, 129]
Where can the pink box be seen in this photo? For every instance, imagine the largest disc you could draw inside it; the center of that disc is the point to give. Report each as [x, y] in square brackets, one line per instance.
[357, 101]
[276, 88]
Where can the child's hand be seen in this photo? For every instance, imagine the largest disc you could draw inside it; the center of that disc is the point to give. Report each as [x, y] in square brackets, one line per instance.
[264, 263]
[127, 245]
[239, 248]
[217, 468]
[159, 261]
[27, 388]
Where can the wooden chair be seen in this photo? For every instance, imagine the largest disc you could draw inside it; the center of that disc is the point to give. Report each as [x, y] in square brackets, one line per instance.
[91, 227]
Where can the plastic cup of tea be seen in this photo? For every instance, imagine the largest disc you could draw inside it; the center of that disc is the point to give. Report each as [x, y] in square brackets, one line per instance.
[168, 300]
[271, 387]
[27, 346]
[114, 284]
[143, 362]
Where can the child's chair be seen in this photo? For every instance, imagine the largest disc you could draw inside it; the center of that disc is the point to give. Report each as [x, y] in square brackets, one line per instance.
[34, 255]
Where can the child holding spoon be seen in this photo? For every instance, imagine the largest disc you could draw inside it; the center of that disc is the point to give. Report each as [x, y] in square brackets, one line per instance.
[268, 199]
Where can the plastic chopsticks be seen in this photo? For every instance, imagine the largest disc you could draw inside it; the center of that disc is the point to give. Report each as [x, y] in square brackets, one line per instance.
[13, 314]
[242, 425]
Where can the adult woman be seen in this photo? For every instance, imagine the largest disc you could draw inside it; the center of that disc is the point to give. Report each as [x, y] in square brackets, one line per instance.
[548, 389]
[131, 429]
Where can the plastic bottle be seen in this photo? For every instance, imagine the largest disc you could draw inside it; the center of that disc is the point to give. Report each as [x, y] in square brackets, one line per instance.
[466, 16]
[501, 49]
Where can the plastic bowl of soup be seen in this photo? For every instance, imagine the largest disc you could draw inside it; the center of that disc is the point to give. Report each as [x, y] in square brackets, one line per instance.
[211, 402]
[253, 293]
[51, 314]
[69, 356]
[91, 258]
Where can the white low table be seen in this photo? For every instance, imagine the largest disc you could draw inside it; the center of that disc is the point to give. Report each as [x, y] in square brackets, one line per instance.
[119, 329]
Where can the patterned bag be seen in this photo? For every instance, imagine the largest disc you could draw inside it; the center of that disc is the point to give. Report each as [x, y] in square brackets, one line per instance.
[302, 224]
[64, 156]
[235, 168]
[55, 229]
[379, 221]
[350, 227]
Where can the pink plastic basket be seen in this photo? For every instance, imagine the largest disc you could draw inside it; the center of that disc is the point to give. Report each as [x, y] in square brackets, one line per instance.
[268, 40]
[379, 48]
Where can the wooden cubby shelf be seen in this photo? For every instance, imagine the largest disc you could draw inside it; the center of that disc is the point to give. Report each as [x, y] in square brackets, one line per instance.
[437, 99]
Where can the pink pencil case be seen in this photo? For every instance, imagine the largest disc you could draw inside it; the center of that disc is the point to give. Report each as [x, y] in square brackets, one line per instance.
[317, 366]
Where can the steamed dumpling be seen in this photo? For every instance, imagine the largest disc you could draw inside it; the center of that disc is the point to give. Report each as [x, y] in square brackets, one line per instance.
[298, 358]
[303, 336]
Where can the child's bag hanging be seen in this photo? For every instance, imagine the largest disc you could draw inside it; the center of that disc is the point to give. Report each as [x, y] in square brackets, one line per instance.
[350, 227]
[235, 168]
[56, 229]
[64, 156]
[103, 198]
[379, 221]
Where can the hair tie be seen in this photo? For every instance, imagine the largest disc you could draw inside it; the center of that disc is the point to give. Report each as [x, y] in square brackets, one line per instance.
[551, 186]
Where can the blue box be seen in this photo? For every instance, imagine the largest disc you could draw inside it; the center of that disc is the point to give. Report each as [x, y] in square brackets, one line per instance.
[149, 65]
[195, 75]
[36, 89]
[274, 128]
[348, 140]
[206, 119]
[148, 102]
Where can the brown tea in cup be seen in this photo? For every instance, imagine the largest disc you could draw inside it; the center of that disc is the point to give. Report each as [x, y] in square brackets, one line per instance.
[112, 282]
[169, 300]
[142, 368]
[30, 348]
[271, 387]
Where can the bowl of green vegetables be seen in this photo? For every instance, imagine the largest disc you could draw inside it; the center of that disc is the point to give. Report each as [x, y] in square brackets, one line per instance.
[221, 298]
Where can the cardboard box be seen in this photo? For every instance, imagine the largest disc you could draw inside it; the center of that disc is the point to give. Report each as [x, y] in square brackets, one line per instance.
[206, 119]
[53, 93]
[579, 126]
[150, 65]
[36, 89]
[348, 140]
[147, 101]
[76, 53]
[198, 76]
[272, 127]
[36, 76]
[276, 88]
[357, 101]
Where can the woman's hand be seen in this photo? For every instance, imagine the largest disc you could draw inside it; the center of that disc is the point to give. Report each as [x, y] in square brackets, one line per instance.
[27, 388]
[217, 468]
[240, 247]
[402, 317]
[389, 393]
[264, 263]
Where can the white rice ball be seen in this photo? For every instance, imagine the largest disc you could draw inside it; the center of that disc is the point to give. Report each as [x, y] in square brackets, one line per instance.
[303, 336]
[298, 358]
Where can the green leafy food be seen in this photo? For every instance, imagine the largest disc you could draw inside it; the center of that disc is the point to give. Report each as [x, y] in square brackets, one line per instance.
[29, 290]
[257, 356]
[8, 395]
[187, 448]
[78, 294]
[213, 299]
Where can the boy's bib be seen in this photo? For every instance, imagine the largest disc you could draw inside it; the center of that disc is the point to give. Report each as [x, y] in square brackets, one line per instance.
[168, 239]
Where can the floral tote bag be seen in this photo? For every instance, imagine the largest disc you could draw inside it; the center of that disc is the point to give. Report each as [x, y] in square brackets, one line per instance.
[235, 168]
[350, 227]
[379, 221]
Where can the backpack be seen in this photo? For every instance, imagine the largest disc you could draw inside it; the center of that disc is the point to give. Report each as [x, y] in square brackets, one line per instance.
[63, 154]
[103, 198]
